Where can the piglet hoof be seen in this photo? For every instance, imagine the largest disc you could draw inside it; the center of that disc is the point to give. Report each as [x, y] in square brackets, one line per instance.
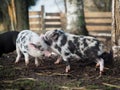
[26, 64]
[16, 62]
[36, 65]
[56, 62]
[100, 75]
[67, 69]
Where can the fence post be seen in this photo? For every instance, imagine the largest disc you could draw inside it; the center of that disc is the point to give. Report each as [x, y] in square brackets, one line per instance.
[42, 19]
[63, 20]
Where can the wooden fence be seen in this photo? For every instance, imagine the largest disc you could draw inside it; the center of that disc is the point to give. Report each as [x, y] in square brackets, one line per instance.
[95, 21]
[99, 22]
[40, 21]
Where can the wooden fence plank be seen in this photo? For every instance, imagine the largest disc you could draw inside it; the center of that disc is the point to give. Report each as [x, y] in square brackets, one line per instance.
[98, 14]
[33, 13]
[55, 23]
[36, 22]
[98, 24]
[98, 28]
[49, 26]
[35, 25]
[34, 19]
[98, 20]
[35, 29]
[52, 20]
[52, 14]
[53, 17]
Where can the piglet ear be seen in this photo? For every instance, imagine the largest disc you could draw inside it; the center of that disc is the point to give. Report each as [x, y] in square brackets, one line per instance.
[55, 36]
[31, 45]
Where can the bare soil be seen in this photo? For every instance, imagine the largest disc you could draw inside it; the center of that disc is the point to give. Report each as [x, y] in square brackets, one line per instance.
[48, 76]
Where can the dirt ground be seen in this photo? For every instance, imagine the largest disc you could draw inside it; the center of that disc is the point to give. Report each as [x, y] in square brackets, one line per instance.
[49, 76]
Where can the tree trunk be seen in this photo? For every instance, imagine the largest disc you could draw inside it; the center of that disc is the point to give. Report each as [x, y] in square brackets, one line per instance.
[6, 22]
[12, 14]
[116, 22]
[22, 14]
[116, 27]
[5, 19]
[75, 17]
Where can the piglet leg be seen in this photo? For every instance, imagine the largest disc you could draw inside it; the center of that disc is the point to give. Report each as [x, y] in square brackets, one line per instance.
[36, 62]
[67, 66]
[58, 60]
[101, 66]
[101, 63]
[18, 55]
[26, 59]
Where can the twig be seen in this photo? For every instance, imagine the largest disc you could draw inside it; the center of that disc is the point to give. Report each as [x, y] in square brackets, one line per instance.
[42, 74]
[111, 85]
[8, 81]
[25, 79]
[59, 74]
[50, 74]
[72, 88]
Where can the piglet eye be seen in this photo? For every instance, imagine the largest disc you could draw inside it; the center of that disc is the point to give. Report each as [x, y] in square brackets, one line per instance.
[39, 46]
[42, 49]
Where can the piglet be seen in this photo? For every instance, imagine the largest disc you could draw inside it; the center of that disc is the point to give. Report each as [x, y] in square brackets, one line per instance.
[30, 44]
[78, 47]
[8, 42]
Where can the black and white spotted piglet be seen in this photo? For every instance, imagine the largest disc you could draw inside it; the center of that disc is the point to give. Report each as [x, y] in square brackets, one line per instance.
[70, 46]
[8, 42]
[29, 43]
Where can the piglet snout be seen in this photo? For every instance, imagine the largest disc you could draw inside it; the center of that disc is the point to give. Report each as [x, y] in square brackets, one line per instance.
[47, 53]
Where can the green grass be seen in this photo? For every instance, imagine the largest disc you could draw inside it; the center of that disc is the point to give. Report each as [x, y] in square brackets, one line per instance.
[24, 83]
[6, 72]
[48, 86]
